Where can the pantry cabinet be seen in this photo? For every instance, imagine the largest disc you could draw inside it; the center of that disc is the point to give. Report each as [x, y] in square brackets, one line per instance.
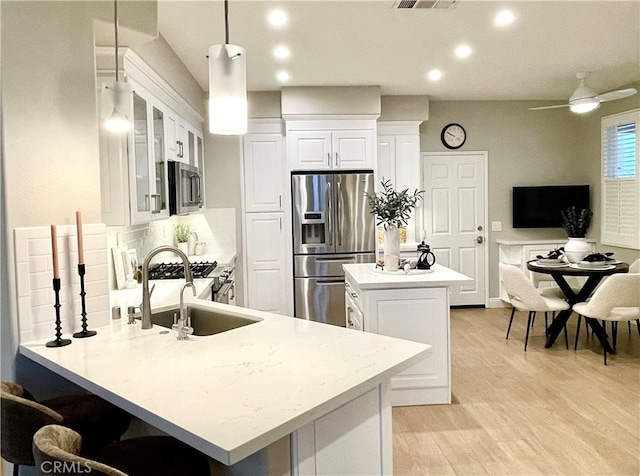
[327, 145]
[267, 273]
[264, 175]
[267, 237]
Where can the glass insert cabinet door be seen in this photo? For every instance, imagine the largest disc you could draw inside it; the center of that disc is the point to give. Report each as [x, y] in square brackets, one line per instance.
[149, 166]
[141, 151]
[160, 165]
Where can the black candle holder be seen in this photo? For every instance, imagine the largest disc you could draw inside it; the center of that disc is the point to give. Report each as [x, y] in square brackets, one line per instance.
[58, 342]
[84, 332]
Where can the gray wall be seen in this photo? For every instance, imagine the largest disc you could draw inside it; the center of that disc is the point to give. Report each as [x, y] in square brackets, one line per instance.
[527, 148]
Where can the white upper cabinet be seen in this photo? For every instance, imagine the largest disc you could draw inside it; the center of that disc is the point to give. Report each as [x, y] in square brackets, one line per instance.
[264, 175]
[326, 145]
[398, 160]
[133, 166]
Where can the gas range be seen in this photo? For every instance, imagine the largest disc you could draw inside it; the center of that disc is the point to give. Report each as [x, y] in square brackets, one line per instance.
[176, 270]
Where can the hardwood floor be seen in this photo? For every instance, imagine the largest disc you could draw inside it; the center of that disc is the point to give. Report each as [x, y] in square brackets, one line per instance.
[546, 411]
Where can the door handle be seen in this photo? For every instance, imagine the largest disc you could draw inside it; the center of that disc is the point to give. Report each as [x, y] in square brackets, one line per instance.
[480, 240]
[330, 209]
[328, 159]
[339, 217]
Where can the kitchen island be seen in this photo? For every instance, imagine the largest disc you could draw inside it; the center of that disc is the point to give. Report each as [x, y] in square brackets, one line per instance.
[232, 394]
[412, 306]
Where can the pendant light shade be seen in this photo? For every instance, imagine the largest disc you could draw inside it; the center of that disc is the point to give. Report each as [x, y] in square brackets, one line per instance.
[227, 90]
[227, 86]
[117, 105]
[117, 96]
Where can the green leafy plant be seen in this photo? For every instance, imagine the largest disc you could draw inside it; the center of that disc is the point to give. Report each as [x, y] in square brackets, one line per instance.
[182, 233]
[576, 222]
[391, 207]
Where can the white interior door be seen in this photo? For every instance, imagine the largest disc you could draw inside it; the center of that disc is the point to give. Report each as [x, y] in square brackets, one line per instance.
[455, 218]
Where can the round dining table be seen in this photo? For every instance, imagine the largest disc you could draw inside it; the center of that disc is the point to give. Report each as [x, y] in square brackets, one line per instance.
[593, 274]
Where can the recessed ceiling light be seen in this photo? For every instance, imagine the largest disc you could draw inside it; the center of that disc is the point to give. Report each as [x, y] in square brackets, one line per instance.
[278, 18]
[463, 51]
[281, 52]
[504, 18]
[435, 75]
[283, 76]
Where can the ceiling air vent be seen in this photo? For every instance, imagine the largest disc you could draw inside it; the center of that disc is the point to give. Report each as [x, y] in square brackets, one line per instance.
[429, 4]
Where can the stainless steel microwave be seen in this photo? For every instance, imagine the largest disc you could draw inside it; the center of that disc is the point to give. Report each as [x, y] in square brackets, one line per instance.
[184, 188]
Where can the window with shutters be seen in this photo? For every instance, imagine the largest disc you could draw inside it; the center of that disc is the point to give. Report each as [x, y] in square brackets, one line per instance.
[620, 196]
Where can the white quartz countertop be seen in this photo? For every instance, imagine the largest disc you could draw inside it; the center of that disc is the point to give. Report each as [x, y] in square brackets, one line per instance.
[234, 393]
[369, 277]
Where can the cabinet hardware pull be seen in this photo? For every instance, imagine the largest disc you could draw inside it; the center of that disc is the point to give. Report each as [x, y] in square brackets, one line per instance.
[156, 199]
[280, 219]
[280, 201]
[337, 160]
[328, 159]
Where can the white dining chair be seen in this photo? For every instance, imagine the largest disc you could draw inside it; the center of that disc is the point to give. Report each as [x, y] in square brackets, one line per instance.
[616, 299]
[524, 296]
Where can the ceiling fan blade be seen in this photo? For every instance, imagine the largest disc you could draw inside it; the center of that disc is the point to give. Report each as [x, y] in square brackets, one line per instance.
[619, 94]
[547, 107]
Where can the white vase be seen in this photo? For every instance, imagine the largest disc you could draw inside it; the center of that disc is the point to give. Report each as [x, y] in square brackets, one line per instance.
[391, 248]
[184, 247]
[576, 249]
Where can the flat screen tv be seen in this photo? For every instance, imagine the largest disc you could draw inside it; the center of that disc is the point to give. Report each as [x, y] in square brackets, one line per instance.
[540, 207]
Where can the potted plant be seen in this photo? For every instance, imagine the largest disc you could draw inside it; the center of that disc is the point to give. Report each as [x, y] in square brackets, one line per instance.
[392, 210]
[576, 223]
[182, 237]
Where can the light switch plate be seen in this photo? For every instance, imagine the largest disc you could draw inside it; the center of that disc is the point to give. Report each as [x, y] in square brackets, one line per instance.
[496, 226]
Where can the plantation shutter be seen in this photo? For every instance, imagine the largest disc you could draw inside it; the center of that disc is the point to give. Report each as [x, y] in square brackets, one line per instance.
[620, 197]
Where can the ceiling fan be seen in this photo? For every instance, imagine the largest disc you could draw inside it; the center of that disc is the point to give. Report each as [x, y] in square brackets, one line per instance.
[584, 99]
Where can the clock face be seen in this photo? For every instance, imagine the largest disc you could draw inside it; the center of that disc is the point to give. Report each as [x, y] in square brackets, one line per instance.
[453, 136]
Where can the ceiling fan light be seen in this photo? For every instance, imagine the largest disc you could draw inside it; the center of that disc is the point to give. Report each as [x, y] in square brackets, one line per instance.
[227, 90]
[584, 105]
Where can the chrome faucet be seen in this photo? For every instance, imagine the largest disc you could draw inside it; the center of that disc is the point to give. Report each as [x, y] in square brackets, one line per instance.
[183, 325]
[146, 295]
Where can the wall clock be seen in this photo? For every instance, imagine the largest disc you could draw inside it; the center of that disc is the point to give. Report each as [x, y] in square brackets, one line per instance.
[453, 136]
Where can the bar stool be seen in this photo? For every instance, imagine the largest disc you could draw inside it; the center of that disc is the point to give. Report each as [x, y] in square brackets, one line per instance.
[97, 420]
[56, 446]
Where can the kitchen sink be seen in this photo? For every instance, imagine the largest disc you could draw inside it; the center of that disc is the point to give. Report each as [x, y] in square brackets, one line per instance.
[205, 321]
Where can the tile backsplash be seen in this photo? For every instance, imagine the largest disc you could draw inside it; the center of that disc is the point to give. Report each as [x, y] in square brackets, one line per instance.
[34, 278]
[216, 227]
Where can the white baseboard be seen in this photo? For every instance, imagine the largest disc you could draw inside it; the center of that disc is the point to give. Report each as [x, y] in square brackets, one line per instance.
[495, 303]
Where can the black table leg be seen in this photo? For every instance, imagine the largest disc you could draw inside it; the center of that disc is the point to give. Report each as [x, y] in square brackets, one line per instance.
[563, 316]
[557, 325]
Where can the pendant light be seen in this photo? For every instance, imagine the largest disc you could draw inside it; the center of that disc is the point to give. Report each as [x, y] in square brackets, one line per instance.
[117, 96]
[227, 86]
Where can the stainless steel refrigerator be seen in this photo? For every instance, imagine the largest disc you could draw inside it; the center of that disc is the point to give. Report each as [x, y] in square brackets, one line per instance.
[332, 225]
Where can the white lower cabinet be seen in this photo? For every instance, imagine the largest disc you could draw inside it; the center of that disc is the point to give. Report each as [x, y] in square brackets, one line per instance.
[355, 439]
[268, 282]
[415, 314]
